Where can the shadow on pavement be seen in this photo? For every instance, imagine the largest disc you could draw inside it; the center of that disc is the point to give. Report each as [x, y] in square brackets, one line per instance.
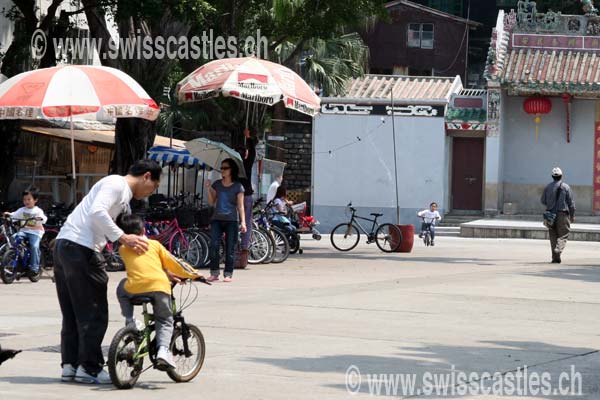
[442, 361]
[583, 273]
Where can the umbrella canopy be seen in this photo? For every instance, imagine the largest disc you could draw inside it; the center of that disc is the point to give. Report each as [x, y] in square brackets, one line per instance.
[249, 79]
[70, 90]
[169, 155]
[213, 153]
[64, 91]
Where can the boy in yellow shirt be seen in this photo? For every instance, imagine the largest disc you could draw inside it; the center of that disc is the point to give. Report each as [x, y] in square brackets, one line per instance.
[147, 276]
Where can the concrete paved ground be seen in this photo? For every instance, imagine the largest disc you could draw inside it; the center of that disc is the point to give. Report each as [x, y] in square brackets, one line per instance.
[291, 331]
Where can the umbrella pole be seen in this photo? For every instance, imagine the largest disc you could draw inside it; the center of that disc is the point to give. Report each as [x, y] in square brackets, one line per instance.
[169, 182]
[73, 158]
[202, 189]
[182, 179]
[195, 185]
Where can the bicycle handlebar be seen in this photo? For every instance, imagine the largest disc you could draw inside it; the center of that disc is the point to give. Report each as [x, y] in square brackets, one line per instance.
[184, 281]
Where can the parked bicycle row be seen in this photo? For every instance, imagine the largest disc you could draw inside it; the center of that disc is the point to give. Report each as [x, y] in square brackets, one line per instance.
[277, 228]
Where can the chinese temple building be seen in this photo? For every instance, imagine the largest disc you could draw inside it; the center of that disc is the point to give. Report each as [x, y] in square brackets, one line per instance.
[543, 74]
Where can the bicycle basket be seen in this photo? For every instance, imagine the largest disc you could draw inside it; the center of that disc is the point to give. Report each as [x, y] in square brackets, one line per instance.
[203, 216]
[185, 217]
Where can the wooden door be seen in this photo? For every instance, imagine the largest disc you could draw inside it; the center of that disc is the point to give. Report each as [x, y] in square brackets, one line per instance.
[467, 173]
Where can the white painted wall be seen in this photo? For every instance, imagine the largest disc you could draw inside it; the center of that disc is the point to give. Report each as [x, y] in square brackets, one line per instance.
[363, 172]
[528, 162]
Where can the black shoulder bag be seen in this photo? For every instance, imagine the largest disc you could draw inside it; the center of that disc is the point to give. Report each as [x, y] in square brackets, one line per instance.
[549, 216]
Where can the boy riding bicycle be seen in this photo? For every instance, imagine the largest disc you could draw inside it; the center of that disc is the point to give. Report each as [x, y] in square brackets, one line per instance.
[148, 275]
[429, 217]
[33, 230]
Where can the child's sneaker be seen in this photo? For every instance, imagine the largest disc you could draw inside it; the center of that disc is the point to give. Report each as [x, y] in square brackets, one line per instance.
[101, 378]
[227, 279]
[135, 324]
[213, 278]
[68, 373]
[165, 357]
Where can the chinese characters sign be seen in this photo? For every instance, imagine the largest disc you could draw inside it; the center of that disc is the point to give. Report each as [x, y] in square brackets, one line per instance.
[556, 42]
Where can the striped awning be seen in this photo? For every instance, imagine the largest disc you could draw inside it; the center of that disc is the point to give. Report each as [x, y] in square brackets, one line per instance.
[169, 155]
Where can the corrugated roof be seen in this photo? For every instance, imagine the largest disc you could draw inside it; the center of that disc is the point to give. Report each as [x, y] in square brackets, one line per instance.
[551, 71]
[94, 136]
[378, 88]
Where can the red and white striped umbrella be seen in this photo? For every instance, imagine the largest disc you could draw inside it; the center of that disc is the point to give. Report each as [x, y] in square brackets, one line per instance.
[249, 79]
[73, 90]
[65, 91]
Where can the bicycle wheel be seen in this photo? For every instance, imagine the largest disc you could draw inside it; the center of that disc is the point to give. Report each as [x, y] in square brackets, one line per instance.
[294, 240]
[189, 359]
[206, 237]
[259, 247]
[345, 237]
[204, 251]
[114, 262]
[37, 276]
[8, 266]
[186, 246]
[124, 366]
[271, 255]
[281, 246]
[388, 238]
[46, 256]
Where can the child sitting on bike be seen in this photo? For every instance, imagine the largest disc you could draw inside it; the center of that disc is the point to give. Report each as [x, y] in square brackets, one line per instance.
[279, 207]
[429, 218]
[148, 275]
[33, 228]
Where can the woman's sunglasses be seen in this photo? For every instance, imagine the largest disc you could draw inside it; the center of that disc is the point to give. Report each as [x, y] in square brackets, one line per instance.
[224, 168]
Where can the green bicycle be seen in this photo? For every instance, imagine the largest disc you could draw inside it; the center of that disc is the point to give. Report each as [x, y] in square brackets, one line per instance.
[130, 346]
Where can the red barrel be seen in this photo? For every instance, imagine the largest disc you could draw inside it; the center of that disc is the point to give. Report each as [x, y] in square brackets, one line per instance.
[408, 238]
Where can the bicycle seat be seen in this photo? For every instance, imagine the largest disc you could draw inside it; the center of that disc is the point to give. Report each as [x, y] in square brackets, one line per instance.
[141, 300]
[376, 214]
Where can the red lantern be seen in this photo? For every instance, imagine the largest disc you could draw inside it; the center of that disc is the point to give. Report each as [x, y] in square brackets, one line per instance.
[537, 106]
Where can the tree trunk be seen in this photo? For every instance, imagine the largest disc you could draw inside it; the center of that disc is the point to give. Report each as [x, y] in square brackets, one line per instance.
[135, 136]
[11, 135]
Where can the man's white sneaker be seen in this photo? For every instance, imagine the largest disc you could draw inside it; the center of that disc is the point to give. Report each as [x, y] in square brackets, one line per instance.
[165, 357]
[68, 373]
[102, 378]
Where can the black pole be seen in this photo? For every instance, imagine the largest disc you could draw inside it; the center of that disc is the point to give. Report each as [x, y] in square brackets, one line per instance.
[395, 158]
[168, 181]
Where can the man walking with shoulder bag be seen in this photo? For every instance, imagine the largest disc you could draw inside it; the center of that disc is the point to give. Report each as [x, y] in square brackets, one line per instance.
[560, 212]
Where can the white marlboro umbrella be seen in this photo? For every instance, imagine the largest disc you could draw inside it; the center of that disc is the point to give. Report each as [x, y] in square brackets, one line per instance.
[61, 92]
[249, 79]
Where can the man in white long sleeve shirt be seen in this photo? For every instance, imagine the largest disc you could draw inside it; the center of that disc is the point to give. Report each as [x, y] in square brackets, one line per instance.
[81, 279]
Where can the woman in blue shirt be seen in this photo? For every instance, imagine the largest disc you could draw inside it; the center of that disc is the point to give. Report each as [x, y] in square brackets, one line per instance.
[227, 197]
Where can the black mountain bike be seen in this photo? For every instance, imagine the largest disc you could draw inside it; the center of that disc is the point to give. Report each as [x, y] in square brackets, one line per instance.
[345, 236]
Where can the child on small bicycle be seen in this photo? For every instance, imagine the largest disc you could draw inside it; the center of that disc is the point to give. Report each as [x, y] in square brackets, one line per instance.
[281, 216]
[429, 217]
[148, 275]
[33, 229]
